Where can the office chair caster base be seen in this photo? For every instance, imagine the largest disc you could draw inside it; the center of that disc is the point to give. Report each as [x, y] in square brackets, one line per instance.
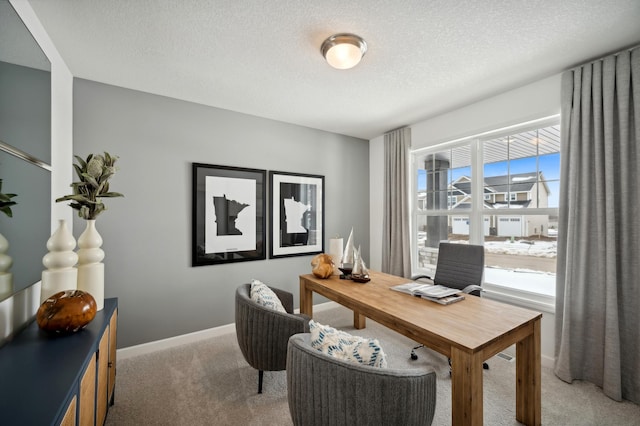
[414, 355]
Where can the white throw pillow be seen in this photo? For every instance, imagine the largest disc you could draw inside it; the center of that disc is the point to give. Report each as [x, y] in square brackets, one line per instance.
[263, 295]
[347, 347]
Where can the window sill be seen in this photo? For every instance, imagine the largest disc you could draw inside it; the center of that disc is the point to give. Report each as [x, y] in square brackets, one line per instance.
[520, 297]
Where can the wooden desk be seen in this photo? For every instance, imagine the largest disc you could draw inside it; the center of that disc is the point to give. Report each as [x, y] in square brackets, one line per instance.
[468, 332]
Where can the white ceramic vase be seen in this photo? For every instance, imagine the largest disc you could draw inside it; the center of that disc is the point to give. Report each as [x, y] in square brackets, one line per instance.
[90, 266]
[6, 277]
[336, 252]
[60, 274]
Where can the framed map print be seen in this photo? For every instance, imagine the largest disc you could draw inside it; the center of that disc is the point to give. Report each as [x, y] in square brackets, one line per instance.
[297, 214]
[228, 214]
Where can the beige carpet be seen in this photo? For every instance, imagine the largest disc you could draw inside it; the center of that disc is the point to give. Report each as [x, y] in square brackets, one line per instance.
[209, 383]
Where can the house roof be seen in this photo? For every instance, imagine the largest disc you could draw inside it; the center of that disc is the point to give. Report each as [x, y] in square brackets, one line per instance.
[498, 205]
[520, 182]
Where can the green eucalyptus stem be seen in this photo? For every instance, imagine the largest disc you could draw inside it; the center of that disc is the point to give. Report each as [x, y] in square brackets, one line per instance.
[94, 174]
[5, 202]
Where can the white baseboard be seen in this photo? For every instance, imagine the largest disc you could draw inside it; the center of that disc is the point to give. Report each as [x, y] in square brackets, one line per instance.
[172, 342]
[547, 362]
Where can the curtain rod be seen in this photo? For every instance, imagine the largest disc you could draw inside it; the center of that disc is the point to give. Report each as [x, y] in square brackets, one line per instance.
[627, 49]
[406, 126]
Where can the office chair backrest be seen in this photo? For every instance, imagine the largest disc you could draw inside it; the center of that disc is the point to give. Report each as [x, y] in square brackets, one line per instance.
[460, 265]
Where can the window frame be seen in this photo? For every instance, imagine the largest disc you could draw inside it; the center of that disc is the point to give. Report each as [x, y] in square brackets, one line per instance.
[477, 212]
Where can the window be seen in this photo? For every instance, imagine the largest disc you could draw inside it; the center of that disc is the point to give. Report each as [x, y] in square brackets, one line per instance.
[518, 173]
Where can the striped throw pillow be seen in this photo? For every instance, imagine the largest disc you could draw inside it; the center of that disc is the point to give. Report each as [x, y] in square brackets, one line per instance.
[347, 347]
[264, 296]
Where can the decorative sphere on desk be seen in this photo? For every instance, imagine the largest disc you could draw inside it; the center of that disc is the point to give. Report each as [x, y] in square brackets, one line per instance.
[66, 312]
[322, 265]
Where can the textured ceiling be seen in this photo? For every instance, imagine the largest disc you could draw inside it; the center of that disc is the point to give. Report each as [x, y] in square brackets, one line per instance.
[263, 57]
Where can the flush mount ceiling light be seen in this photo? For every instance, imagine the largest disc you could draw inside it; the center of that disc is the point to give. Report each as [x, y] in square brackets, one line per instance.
[343, 51]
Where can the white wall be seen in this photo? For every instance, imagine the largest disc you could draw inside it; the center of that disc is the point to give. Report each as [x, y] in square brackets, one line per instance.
[533, 101]
[530, 102]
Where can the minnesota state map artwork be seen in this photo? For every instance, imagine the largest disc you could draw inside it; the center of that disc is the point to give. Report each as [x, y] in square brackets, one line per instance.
[297, 218]
[230, 214]
[294, 213]
[227, 212]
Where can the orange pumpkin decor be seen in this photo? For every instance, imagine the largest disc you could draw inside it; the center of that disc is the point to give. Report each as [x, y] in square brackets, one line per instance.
[322, 265]
[66, 312]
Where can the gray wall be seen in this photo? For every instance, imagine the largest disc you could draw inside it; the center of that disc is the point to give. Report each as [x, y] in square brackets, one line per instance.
[147, 234]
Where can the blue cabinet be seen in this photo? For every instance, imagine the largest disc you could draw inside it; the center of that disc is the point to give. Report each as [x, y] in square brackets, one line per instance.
[60, 380]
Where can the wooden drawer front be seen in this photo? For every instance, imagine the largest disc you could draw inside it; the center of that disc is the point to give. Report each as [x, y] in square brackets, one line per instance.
[113, 331]
[88, 394]
[69, 418]
[103, 373]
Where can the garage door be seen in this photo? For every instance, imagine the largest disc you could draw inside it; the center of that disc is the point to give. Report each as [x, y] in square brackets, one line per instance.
[460, 225]
[510, 226]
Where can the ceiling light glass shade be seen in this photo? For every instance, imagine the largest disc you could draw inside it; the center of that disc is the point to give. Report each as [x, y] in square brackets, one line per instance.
[343, 51]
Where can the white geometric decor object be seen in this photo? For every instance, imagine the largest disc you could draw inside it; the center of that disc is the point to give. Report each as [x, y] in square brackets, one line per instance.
[6, 277]
[90, 266]
[60, 274]
[348, 252]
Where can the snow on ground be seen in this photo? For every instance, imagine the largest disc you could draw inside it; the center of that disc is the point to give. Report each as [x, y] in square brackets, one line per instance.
[521, 279]
[522, 247]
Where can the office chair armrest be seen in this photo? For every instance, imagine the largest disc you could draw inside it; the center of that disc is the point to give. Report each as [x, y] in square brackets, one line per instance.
[472, 287]
[417, 277]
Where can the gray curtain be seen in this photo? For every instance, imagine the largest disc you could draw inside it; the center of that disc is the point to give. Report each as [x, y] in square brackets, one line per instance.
[396, 250]
[598, 276]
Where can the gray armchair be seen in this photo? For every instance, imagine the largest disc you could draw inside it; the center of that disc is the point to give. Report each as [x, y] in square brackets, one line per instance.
[352, 393]
[263, 333]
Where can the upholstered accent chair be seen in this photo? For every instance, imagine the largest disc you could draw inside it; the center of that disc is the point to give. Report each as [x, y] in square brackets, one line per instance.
[263, 333]
[353, 393]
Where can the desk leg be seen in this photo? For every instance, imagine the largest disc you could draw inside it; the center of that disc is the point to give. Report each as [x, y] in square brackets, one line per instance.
[528, 386]
[359, 321]
[466, 388]
[306, 299]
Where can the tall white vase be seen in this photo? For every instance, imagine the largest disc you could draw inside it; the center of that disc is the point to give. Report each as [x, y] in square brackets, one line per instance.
[6, 277]
[336, 251]
[90, 266]
[60, 274]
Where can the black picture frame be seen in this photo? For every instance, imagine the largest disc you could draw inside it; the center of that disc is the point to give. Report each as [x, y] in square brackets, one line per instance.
[306, 214]
[240, 194]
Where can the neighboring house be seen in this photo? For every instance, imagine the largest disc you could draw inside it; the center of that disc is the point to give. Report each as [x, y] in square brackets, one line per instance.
[517, 191]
